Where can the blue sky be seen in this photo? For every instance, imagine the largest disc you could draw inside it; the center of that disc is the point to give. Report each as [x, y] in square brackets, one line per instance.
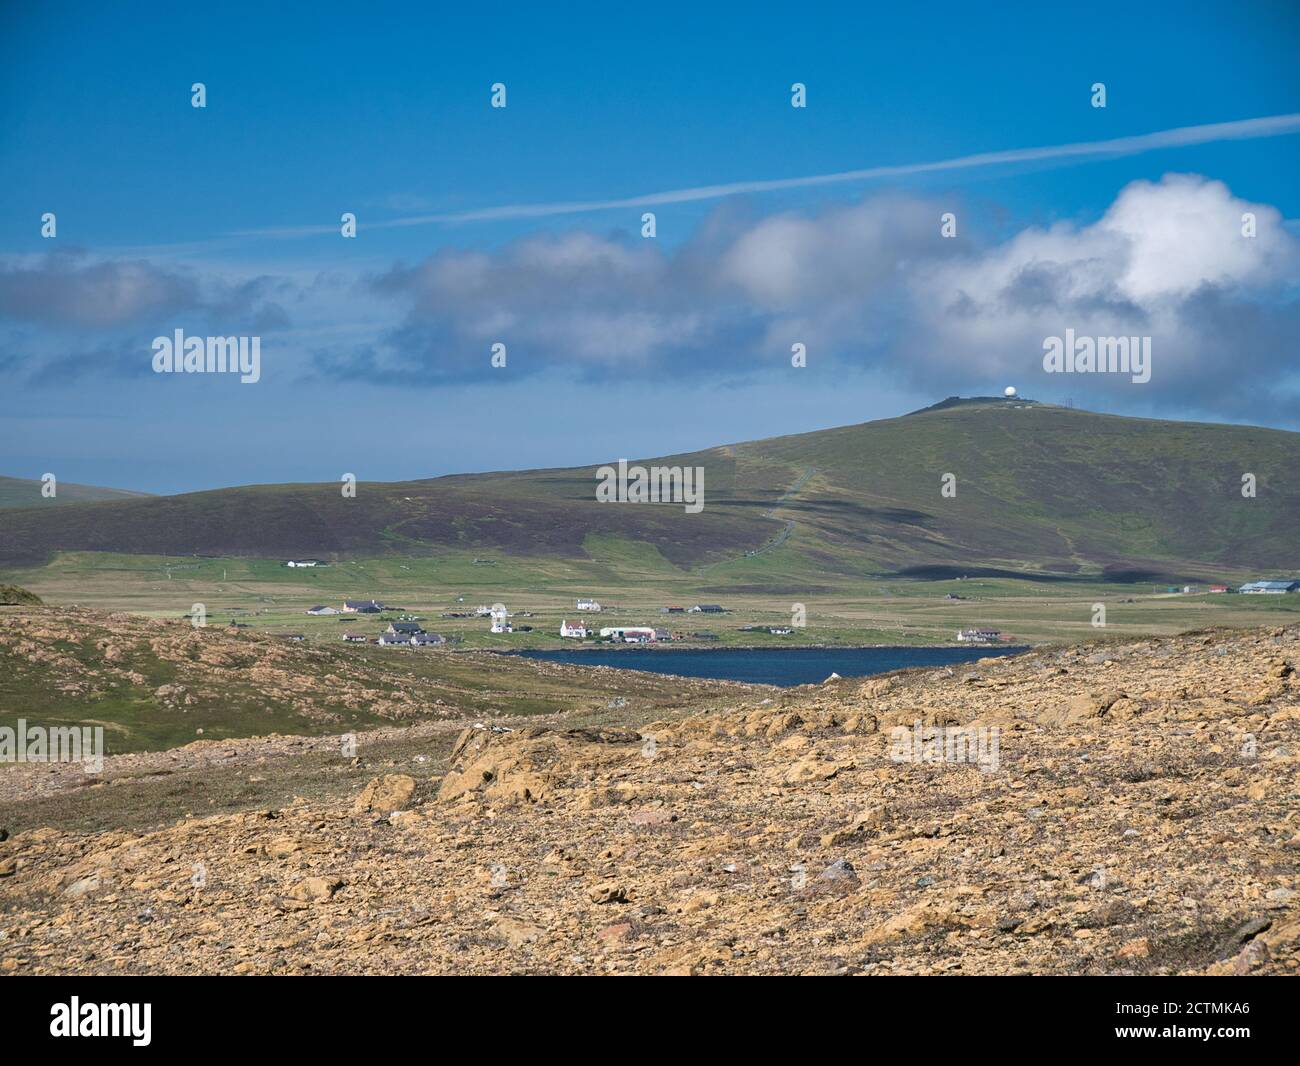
[375, 349]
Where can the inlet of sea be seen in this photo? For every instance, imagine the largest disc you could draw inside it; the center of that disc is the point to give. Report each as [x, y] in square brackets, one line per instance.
[771, 666]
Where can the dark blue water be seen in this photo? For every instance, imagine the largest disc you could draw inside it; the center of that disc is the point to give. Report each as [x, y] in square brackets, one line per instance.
[776, 666]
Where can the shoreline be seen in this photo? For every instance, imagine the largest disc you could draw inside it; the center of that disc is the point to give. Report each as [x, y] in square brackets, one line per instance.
[664, 648]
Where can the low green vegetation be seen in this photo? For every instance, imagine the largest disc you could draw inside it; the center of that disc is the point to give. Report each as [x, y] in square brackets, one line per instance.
[764, 591]
[155, 685]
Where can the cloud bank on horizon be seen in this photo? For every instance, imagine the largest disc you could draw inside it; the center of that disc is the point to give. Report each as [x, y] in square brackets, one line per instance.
[870, 285]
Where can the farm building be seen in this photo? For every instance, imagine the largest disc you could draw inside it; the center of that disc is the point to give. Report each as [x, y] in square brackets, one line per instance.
[355, 638]
[1269, 588]
[588, 605]
[1219, 588]
[323, 610]
[630, 634]
[362, 606]
[707, 608]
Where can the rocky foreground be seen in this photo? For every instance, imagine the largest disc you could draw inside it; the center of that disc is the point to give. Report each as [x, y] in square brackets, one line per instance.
[1111, 809]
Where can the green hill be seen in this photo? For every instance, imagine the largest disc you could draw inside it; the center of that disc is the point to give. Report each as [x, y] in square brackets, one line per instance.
[1038, 489]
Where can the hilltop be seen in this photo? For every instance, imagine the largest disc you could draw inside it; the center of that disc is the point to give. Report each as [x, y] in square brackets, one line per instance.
[26, 492]
[1140, 818]
[1038, 489]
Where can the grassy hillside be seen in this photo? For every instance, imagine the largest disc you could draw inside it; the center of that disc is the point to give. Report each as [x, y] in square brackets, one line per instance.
[26, 492]
[1046, 488]
[1039, 490]
[155, 685]
[12, 594]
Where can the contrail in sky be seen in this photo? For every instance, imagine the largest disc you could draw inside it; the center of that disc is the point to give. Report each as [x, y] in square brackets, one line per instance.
[1180, 137]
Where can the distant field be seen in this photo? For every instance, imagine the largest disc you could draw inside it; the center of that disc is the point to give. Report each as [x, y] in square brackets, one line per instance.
[634, 582]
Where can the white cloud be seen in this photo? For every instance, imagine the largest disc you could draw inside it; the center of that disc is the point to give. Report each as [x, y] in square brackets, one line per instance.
[871, 284]
[1184, 232]
[1168, 259]
[875, 283]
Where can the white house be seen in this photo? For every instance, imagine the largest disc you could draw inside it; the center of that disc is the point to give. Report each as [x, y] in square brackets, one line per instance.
[978, 636]
[323, 610]
[577, 630]
[588, 605]
[301, 562]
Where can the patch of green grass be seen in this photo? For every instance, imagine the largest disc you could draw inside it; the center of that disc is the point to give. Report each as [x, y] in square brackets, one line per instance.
[633, 582]
[155, 687]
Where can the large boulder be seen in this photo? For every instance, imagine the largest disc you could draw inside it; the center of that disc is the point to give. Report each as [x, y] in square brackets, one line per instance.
[1080, 708]
[523, 766]
[385, 794]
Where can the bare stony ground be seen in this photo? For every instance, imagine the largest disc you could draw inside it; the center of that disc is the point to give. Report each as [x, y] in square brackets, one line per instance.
[1142, 817]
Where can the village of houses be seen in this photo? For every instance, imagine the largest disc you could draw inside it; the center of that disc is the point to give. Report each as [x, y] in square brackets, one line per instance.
[407, 631]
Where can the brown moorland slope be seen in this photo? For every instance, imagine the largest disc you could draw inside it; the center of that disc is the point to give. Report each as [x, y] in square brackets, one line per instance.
[1041, 489]
[1142, 817]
